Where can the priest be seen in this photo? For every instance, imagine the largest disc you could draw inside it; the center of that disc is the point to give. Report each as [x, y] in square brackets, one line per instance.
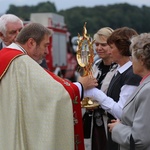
[39, 110]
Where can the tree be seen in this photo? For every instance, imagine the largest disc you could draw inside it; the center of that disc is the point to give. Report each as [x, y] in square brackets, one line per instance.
[25, 11]
[114, 16]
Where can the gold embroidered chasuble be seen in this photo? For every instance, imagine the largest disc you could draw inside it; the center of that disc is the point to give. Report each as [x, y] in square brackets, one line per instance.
[36, 110]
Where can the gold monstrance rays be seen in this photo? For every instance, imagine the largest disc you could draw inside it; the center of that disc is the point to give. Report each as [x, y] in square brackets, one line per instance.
[85, 52]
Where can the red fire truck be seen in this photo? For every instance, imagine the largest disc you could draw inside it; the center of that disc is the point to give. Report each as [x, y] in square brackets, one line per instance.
[57, 59]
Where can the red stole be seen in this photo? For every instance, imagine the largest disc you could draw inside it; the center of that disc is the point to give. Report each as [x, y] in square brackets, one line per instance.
[75, 96]
[8, 55]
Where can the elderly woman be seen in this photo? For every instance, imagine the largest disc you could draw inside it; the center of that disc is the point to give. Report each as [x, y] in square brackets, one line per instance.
[134, 128]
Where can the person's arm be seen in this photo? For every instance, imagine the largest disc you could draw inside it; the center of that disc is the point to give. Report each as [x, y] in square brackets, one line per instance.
[88, 82]
[85, 83]
[137, 122]
[81, 89]
[107, 103]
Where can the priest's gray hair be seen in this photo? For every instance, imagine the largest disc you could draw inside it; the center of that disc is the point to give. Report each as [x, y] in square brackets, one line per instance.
[33, 30]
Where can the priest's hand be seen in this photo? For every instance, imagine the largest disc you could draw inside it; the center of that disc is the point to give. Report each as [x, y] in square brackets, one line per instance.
[88, 82]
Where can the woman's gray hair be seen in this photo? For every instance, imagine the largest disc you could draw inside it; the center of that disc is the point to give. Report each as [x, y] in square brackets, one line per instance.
[140, 48]
[8, 18]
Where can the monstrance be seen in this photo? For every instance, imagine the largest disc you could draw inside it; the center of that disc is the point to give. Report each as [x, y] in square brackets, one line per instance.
[85, 59]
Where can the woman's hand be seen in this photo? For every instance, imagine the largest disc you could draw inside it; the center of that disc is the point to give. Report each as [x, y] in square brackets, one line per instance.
[112, 124]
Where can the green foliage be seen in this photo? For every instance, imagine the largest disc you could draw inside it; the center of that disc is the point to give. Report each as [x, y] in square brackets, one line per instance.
[114, 16]
[25, 11]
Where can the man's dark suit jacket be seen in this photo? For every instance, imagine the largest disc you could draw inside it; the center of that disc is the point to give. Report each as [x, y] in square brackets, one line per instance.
[1, 45]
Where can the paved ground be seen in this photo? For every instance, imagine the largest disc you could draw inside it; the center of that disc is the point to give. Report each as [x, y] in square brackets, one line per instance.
[87, 143]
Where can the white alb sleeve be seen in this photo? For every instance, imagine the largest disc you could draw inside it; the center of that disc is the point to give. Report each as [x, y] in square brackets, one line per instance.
[80, 87]
[107, 103]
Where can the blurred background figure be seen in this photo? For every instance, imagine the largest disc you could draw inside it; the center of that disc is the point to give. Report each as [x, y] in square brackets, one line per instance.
[70, 72]
[10, 26]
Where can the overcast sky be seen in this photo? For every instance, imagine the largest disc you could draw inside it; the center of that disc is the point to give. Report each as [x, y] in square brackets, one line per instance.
[65, 4]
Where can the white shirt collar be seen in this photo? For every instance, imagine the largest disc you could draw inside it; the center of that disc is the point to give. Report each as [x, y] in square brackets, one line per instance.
[17, 47]
[124, 67]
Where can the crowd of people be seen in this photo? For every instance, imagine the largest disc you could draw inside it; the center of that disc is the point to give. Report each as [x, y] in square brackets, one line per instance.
[40, 110]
